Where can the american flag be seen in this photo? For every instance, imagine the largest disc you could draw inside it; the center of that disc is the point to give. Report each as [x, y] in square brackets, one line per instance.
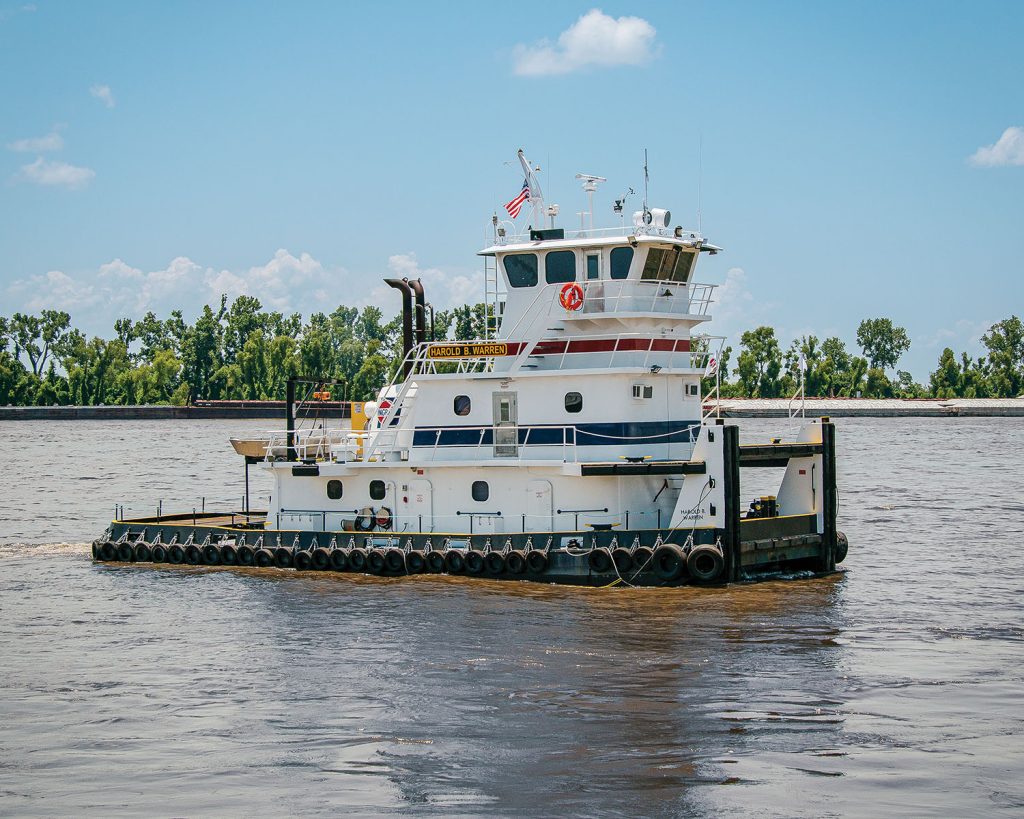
[516, 204]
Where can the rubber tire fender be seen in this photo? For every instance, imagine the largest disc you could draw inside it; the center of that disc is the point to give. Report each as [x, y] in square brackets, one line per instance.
[669, 562]
[246, 555]
[454, 561]
[357, 560]
[125, 552]
[283, 557]
[623, 559]
[176, 554]
[228, 555]
[339, 560]
[536, 561]
[264, 558]
[108, 551]
[842, 547]
[435, 562]
[494, 562]
[394, 561]
[705, 563]
[415, 562]
[159, 553]
[211, 554]
[320, 559]
[96, 550]
[303, 561]
[194, 555]
[515, 562]
[375, 561]
[642, 558]
[600, 560]
[143, 554]
[475, 562]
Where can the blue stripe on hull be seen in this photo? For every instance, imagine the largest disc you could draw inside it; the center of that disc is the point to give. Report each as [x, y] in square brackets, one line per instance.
[612, 434]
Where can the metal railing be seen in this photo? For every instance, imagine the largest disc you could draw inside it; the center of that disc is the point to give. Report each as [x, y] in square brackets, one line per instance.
[310, 445]
[625, 231]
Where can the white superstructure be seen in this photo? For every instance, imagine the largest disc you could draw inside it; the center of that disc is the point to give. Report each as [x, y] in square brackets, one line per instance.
[591, 357]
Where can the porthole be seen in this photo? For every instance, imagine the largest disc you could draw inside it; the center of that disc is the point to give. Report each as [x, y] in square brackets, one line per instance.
[573, 402]
[334, 489]
[481, 491]
[463, 405]
[377, 490]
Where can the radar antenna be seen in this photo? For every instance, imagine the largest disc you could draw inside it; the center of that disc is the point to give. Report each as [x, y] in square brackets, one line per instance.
[590, 183]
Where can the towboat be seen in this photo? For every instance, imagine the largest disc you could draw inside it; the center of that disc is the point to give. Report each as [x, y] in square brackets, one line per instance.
[572, 443]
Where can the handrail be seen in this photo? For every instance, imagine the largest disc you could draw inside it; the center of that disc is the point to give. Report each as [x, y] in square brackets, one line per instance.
[598, 233]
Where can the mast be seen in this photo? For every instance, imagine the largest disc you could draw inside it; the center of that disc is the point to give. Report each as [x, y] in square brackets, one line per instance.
[536, 195]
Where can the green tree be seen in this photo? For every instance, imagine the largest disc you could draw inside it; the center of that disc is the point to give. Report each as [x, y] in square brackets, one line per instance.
[881, 342]
[201, 353]
[759, 363]
[1005, 343]
[945, 381]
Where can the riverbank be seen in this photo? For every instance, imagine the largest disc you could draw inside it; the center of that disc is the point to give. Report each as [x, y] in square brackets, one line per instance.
[730, 408]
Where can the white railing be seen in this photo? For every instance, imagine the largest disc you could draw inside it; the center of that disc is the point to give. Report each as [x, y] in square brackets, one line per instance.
[504, 237]
[310, 444]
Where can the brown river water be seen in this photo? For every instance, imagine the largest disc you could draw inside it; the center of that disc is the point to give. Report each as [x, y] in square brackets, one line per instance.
[895, 687]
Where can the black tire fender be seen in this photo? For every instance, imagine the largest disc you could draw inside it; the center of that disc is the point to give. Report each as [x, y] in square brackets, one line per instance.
[842, 547]
[600, 560]
[536, 561]
[515, 562]
[475, 562]
[669, 562]
[705, 563]
[494, 563]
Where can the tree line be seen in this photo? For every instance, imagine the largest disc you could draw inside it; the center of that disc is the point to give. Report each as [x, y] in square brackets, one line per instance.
[242, 351]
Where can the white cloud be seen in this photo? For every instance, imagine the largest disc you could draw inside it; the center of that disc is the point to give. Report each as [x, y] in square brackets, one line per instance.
[55, 172]
[594, 40]
[103, 94]
[443, 290]
[963, 335]
[1009, 150]
[52, 141]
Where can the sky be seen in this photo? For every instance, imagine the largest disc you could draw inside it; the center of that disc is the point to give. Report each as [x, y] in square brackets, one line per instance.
[855, 160]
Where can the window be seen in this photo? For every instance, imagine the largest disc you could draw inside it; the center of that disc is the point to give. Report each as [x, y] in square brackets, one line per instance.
[691, 389]
[573, 402]
[377, 490]
[593, 267]
[622, 258]
[481, 491]
[643, 391]
[667, 265]
[462, 405]
[334, 489]
[560, 266]
[521, 269]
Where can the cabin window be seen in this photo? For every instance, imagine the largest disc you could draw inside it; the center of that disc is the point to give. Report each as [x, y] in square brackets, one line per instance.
[667, 265]
[690, 389]
[560, 266]
[593, 266]
[481, 491]
[521, 269]
[377, 490]
[334, 489]
[621, 259]
[463, 404]
[642, 391]
[573, 402]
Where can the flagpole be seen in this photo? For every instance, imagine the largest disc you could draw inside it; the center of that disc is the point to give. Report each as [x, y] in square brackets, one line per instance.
[718, 392]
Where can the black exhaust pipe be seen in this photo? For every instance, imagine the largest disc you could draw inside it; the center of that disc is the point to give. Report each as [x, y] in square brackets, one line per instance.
[421, 310]
[407, 333]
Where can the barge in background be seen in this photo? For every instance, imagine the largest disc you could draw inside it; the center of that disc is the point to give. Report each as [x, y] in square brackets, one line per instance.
[569, 445]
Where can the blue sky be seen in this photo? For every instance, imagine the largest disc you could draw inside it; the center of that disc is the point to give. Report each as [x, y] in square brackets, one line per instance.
[154, 155]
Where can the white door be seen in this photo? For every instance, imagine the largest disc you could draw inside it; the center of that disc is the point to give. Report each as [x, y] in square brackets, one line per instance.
[506, 425]
[417, 506]
[539, 506]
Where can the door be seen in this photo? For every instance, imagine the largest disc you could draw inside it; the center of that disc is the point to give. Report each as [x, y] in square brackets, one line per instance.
[538, 506]
[417, 507]
[506, 425]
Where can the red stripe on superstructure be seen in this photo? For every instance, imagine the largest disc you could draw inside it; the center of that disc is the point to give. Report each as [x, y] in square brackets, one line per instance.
[603, 345]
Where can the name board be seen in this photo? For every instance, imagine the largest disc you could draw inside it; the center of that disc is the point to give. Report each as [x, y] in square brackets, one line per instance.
[466, 350]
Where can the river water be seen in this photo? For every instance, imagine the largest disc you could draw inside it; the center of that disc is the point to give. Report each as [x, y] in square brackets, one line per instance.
[892, 688]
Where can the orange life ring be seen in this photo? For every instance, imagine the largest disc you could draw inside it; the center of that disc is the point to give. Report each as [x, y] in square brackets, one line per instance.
[571, 296]
[384, 518]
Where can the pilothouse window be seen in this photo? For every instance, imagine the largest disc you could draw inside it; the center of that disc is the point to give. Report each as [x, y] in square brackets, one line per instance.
[560, 266]
[621, 259]
[521, 269]
[667, 265]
